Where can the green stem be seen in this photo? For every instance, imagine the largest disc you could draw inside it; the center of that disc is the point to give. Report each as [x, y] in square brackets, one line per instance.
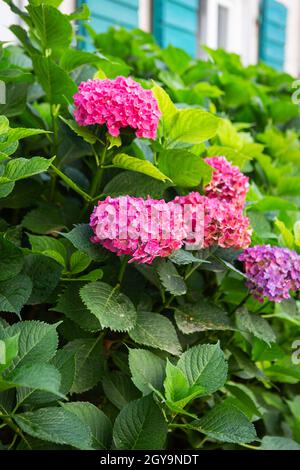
[247, 446]
[191, 271]
[54, 150]
[122, 270]
[71, 183]
[97, 180]
[242, 303]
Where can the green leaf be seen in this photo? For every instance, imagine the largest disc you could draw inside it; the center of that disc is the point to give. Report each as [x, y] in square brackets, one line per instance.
[141, 166]
[44, 219]
[11, 259]
[113, 309]
[36, 376]
[193, 126]
[49, 246]
[278, 443]
[70, 303]
[79, 261]
[37, 342]
[44, 273]
[135, 424]
[183, 258]
[202, 316]
[21, 168]
[135, 184]
[99, 425]
[81, 131]
[167, 108]
[286, 236]
[14, 293]
[119, 389]
[156, 331]
[297, 233]
[204, 366]
[226, 423]
[80, 237]
[64, 361]
[73, 58]
[8, 350]
[53, 28]
[57, 84]
[273, 203]
[89, 362]
[184, 168]
[256, 325]
[176, 59]
[176, 385]
[170, 278]
[147, 370]
[55, 425]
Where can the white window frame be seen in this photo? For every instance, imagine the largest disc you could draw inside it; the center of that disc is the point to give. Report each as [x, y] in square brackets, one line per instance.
[209, 23]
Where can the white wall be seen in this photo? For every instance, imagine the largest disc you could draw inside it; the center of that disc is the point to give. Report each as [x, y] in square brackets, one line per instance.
[292, 49]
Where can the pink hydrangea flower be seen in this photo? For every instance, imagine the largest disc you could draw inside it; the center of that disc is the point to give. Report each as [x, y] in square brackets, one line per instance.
[272, 272]
[142, 229]
[224, 223]
[228, 182]
[118, 103]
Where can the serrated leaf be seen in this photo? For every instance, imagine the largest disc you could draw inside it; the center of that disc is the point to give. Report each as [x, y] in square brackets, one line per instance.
[14, 293]
[176, 385]
[44, 219]
[52, 27]
[36, 376]
[167, 108]
[256, 325]
[119, 389]
[156, 331]
[184, 168]
[201, 316]
[70, 303]
[133, 428]
[113, 309]
[183, 258]
[170, 278]
[204, 366]
[81, 131]
[80, 236]
[8, 351]
[20, 168]
[79, 261]
[44, 273]
[89, 363]
[141, 166]
[135, 184]
[57, 84]
[278, 443]
[98, 423]
[11, 259]
[48, 246]
[37, 342]
[55, 425]
[226, 423]
[193, 126]
[147, 370]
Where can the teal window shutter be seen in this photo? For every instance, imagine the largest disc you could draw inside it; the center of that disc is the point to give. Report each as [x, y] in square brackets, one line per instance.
[176, 22]
[106, 13]
[273, 33]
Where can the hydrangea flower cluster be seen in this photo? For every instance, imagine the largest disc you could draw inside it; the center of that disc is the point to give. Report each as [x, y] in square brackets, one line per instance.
[224, 223]
[118, 103]
[272, 272]
[228, 182]
[132, 226]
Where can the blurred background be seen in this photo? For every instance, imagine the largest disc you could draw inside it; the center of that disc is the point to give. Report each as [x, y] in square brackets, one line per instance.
[267, 30]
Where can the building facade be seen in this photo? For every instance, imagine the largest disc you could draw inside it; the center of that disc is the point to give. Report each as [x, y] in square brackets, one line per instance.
[267, 30]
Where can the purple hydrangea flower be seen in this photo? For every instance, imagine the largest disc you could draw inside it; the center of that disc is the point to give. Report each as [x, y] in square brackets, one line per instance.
[272, 272]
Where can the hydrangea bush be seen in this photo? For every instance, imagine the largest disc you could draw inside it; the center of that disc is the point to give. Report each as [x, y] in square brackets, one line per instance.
[149, 245]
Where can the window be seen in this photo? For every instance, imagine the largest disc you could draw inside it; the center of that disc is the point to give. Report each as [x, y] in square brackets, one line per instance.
[221, 24]
[223, 18]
